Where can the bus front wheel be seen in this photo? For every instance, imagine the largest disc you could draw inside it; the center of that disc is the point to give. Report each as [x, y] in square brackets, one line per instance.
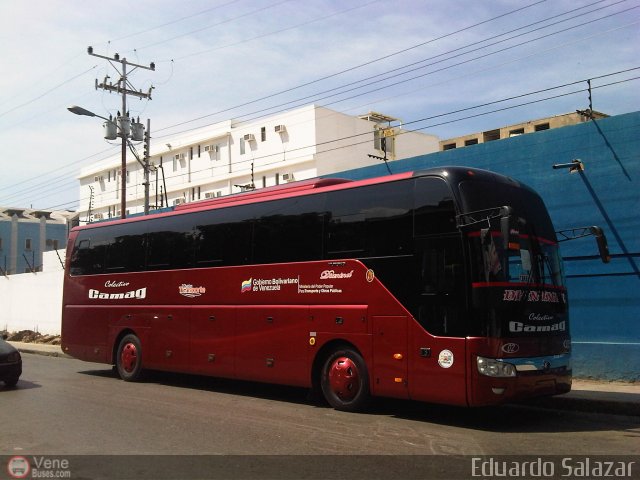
[129, 358]
[345, 380]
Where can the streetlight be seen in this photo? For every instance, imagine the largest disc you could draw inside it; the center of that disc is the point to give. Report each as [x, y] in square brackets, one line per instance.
[83, 111]
[123, 126]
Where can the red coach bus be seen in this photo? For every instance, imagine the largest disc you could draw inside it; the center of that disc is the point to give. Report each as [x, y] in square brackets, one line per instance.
[443, 285]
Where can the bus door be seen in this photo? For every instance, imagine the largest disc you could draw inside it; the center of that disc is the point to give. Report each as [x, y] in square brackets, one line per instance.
[437, 340]
[389, 356]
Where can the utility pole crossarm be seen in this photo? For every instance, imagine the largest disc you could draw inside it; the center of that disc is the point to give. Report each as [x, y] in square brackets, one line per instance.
[116, 57]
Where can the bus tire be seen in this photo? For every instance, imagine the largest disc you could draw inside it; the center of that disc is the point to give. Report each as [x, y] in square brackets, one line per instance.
[129, 358]
[345, 380]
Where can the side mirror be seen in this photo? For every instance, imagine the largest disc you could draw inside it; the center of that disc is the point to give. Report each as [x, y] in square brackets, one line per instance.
[579, 232]
[510, 230]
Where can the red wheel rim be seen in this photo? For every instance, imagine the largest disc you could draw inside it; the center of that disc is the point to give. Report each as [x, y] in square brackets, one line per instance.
[344, 378]
[129, 357]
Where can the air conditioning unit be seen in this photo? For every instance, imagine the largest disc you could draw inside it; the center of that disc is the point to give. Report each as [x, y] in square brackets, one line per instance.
[97, 216]
[208, 195]
[249, 137]
[211, 148]
[287, 177]
[219, 193]
[179, 201]
[280, 128]
[179, 156]
[98, 178]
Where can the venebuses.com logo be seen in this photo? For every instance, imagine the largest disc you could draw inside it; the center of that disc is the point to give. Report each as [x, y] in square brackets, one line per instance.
[38, 467]
[18, 467]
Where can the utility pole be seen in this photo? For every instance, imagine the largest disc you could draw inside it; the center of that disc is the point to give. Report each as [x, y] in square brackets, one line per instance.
[122, 86]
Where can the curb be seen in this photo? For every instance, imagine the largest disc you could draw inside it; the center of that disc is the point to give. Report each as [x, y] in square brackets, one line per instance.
[596, 400]
[40, 349]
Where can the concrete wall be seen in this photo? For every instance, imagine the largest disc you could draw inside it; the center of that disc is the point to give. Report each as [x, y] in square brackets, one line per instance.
[31, 301]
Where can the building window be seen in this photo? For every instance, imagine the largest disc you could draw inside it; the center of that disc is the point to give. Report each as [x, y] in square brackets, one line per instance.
[471, 141]
[517, 132]
[242, 146]
[263, 134]
[491, 135]
[27, 244]
[198, 151]
[542, 126]
[449, 146]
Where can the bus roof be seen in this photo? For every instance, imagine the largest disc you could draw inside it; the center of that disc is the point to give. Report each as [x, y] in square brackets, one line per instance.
[301, 188]
[262, 193]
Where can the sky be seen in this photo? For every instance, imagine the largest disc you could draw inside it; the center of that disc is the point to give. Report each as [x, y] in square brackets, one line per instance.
[444, 67]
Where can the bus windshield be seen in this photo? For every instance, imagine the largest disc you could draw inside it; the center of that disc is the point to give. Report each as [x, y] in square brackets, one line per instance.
[536, 261]
[517, 290]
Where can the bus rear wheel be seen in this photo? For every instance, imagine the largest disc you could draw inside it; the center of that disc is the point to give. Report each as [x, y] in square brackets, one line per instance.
[129, 358]
[345, 380]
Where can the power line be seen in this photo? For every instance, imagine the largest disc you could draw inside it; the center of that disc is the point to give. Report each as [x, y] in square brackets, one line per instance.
[387, 56]
[459, 49]
[438, 116]
[209, 50]
[341, 72]
[207, 10]
[262, 9]
[46, 92]
[296, 103]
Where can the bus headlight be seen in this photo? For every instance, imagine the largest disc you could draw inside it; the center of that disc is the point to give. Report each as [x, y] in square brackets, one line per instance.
[495, 368]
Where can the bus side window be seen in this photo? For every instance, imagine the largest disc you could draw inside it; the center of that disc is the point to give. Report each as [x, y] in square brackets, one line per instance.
[88, 256]
[125, 254]
[434, 210]
[81, 257]
[370, 221]
[441, 294]
[289, 230]
[158, 250]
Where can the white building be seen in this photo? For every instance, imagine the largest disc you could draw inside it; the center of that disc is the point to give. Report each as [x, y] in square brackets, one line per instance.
[229, 157]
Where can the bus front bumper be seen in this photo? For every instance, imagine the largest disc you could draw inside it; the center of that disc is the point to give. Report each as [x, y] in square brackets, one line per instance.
[531, 377]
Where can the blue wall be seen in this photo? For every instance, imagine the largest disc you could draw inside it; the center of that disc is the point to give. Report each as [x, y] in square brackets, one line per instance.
[29, 229]
[604, 299]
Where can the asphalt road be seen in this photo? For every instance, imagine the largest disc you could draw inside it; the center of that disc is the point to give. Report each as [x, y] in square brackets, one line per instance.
[67, 407]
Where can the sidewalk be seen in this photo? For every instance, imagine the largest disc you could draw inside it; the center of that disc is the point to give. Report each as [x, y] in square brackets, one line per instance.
[618, 398]
[40, 349]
